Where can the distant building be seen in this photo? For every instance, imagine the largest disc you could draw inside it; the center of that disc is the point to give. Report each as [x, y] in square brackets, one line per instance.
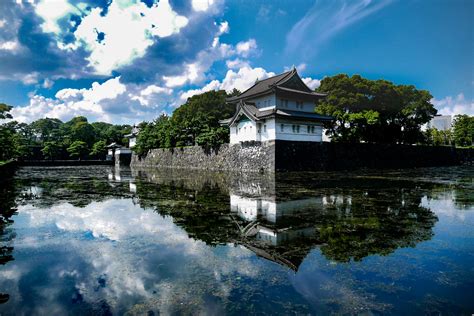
[441, 122]
[132, 137]
[276, 108]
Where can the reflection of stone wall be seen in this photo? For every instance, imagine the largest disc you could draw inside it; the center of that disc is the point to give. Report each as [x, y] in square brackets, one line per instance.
[254, 157]
[288, 155]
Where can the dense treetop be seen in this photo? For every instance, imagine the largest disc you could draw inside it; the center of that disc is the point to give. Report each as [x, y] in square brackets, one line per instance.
[374, 110]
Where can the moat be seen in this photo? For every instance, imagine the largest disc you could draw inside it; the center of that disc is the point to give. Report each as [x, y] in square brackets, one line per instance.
[105, 240]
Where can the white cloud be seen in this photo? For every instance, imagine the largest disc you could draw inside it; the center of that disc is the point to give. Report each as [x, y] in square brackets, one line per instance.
[52, 11]
[202, 5]
[118, 37]
[244, 78]
[325, 19]
[236, 63]
[194, 72]
[241, 80]
[146, 95]
[48, 83]
[9, 45]
[454, 105]
[223, 28]
[2, 22]
[246, 48]
[111, 101]
[312, 83]
[213, 85]
[73, 102]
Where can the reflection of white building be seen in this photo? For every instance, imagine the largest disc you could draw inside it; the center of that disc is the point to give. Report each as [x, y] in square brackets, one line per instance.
[269, 217]
[276, 108]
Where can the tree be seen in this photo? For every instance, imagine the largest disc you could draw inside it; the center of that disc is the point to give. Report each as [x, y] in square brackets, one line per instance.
[374, 110]
[78, 149]
[195, 122]
[99, 149]
[51, 150]
[463, 130]
[47, 129]
[6, 134]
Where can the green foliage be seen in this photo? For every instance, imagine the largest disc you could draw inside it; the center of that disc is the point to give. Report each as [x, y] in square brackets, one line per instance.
[195, 122]
[78, 149]
[51, 149]
[463, 130]
[374, 110]
[99, 149]
[4, 109]
[438, 138]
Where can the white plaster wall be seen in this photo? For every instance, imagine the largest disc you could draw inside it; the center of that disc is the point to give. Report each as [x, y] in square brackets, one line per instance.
[303, 135]
[260, 101]
[308, 106]
[269, 132]
[247, 131]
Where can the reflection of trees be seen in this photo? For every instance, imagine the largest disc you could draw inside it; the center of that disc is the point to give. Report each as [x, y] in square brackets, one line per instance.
[77, 186]
[7, 234]
[374, 222]
[356, 219]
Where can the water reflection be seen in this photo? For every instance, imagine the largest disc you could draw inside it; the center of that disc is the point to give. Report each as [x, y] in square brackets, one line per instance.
[106, 240]
[282, 221]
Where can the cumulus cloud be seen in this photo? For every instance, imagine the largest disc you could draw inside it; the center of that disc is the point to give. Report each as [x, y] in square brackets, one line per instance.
[237, 63]
[124, 32]
[241, 80]
[246, 48]
[111, 101]
[312, 83]
[195, 72]
[454, 105]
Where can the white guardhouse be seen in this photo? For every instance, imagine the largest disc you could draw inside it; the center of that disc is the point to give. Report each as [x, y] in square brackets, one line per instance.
[276, 108]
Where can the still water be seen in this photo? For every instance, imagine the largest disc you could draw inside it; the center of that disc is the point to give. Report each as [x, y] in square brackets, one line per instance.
[101, 240]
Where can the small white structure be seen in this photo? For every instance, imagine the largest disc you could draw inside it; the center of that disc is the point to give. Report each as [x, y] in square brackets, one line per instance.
[277, 108]
[441, 122]
[132, 137]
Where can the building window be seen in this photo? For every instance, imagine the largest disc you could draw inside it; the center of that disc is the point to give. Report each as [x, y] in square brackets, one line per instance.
[297, 128]
[282, 127]
[293, 127]
[284, 103]
[264, 128]
[312, 129]
[308, 129]
[259, 127]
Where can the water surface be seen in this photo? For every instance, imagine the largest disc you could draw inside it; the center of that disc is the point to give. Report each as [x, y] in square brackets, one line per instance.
[101, 240]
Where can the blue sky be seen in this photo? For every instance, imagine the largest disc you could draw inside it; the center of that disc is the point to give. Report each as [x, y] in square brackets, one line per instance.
[124, 61]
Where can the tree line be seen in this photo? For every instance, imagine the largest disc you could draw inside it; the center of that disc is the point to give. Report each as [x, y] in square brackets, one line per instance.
[196, 122]
[373, 111]
[379, 111]
[50, 138]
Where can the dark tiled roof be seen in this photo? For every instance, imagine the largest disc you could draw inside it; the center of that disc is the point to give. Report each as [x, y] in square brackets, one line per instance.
[262, 86]
[255, 114]
[302, 92]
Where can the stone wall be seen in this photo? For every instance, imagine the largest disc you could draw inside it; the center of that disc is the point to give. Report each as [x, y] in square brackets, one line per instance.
[248, 157]
[311, 156]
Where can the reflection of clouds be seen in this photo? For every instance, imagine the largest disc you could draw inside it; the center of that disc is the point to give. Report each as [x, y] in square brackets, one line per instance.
[443, 205]
[138, 255]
